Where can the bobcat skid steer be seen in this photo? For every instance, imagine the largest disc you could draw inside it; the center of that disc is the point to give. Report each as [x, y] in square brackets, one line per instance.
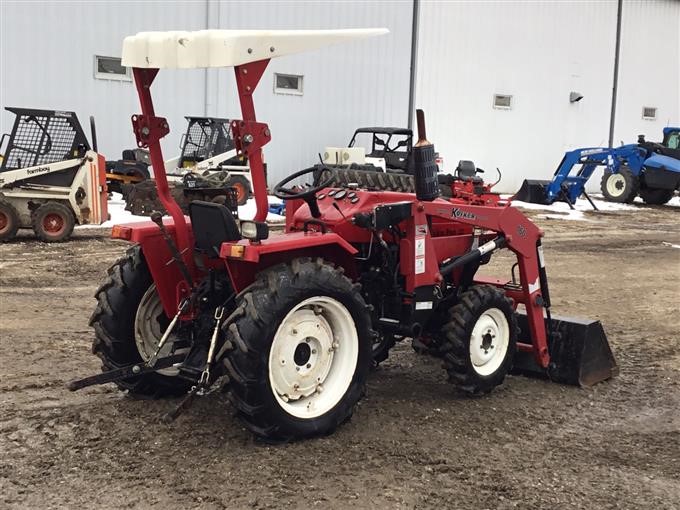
[50, 177]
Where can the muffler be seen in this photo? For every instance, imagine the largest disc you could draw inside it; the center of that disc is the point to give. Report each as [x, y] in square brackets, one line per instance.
[532, 191]
[580, 354]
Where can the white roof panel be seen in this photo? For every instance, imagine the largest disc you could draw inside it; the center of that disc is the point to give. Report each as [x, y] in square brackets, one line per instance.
[226, 48]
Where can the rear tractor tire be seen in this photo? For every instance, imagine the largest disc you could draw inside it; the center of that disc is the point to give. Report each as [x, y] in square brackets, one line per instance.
[479, 340]
[621, 186]
[656, 196]
[53, 222]
[9, 221]
[128, 323]
[302, 351]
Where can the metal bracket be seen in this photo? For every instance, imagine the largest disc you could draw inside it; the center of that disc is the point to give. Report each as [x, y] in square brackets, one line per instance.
[149, 129]
[249, 136]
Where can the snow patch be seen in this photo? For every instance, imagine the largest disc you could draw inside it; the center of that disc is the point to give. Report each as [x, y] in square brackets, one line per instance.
[120, 215]
[673, 202]
[248, 210]
[582, 205]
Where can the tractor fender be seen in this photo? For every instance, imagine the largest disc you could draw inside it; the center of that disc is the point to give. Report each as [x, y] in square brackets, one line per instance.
[245, 259]
[166, 275]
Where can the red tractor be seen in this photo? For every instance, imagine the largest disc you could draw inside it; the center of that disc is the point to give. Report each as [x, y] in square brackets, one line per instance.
[291, 323]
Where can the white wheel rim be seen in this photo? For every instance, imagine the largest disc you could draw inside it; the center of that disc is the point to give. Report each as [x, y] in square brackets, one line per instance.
[489, 341]
[148, 331]
[616, 185]
[313, 357]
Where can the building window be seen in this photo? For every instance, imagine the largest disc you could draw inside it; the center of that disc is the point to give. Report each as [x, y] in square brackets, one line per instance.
[110, 68]
[288, 84]
[502, 101]
[648, 112]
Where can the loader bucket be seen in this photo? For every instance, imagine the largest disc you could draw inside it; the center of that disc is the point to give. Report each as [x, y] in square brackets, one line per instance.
[579, 352]
[532, 191]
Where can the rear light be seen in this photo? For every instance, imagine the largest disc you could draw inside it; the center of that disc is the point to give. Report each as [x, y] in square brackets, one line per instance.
[439, 160]
[254, 230]
[237, 251]
[121, 232]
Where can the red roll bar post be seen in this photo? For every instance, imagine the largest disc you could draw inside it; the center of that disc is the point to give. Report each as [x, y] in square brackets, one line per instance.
[250, 135]
[149, 129]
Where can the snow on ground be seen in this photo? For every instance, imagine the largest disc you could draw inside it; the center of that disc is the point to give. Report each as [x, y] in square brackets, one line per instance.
[558, 210]
[561, 210]
[120, 215]
[673, 202]
[247, 211]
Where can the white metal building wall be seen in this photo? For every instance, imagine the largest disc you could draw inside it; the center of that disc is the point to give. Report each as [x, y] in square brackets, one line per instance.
[47, 61]
[345, 86]
[649, 72]
[47, 54]
[539, 52]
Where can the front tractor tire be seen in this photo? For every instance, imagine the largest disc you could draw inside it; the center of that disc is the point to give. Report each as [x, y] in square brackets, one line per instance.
[128, 322]
[479, 340]
[621, 186]
[302, 351]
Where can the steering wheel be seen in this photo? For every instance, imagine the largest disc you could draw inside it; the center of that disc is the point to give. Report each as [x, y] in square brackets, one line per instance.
[308, 194]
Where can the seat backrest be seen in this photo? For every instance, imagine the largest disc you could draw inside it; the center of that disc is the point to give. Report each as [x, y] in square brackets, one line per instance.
[466, 169]
[212, 224]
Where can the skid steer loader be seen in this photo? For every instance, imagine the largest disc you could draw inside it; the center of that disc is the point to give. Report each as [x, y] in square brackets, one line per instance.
[50, 177]
[289, 322]
[206, 166]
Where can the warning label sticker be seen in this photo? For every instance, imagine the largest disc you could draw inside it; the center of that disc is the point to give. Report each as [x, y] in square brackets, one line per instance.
[419, 248]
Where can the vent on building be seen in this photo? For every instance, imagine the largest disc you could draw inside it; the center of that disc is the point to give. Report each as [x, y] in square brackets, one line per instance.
[648, 112]
[110, 68]
[288, 84]
[502, 101]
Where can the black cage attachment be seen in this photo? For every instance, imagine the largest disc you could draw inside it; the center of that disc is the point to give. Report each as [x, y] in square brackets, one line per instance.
[40, 137]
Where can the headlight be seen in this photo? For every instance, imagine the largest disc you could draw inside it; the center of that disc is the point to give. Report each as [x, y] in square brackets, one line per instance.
[254, 230]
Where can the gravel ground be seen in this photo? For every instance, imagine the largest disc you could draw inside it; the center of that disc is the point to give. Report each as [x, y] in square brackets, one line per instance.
[413, 441]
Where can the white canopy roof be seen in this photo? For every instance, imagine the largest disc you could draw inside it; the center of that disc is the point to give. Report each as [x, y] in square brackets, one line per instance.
[226, 48]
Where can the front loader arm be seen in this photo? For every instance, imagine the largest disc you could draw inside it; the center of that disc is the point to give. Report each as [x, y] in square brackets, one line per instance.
[517, 233]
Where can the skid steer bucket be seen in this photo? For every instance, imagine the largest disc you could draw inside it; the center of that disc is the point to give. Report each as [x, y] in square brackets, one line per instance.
[532, 191]
[579, 352]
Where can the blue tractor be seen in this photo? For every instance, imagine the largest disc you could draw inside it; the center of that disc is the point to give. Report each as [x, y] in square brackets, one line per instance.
[648, 169]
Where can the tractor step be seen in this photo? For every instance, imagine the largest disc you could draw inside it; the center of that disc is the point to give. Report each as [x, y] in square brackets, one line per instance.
[580, 354]
[120, 374]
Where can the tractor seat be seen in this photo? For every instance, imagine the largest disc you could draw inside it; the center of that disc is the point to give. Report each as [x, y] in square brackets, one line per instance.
[212, 224]
[129, 155]
[467, 171]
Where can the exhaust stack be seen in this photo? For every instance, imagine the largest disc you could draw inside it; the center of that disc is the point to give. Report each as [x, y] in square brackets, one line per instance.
[425, 166]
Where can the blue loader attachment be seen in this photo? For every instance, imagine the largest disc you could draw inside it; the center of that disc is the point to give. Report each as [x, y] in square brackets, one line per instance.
[649, 169]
